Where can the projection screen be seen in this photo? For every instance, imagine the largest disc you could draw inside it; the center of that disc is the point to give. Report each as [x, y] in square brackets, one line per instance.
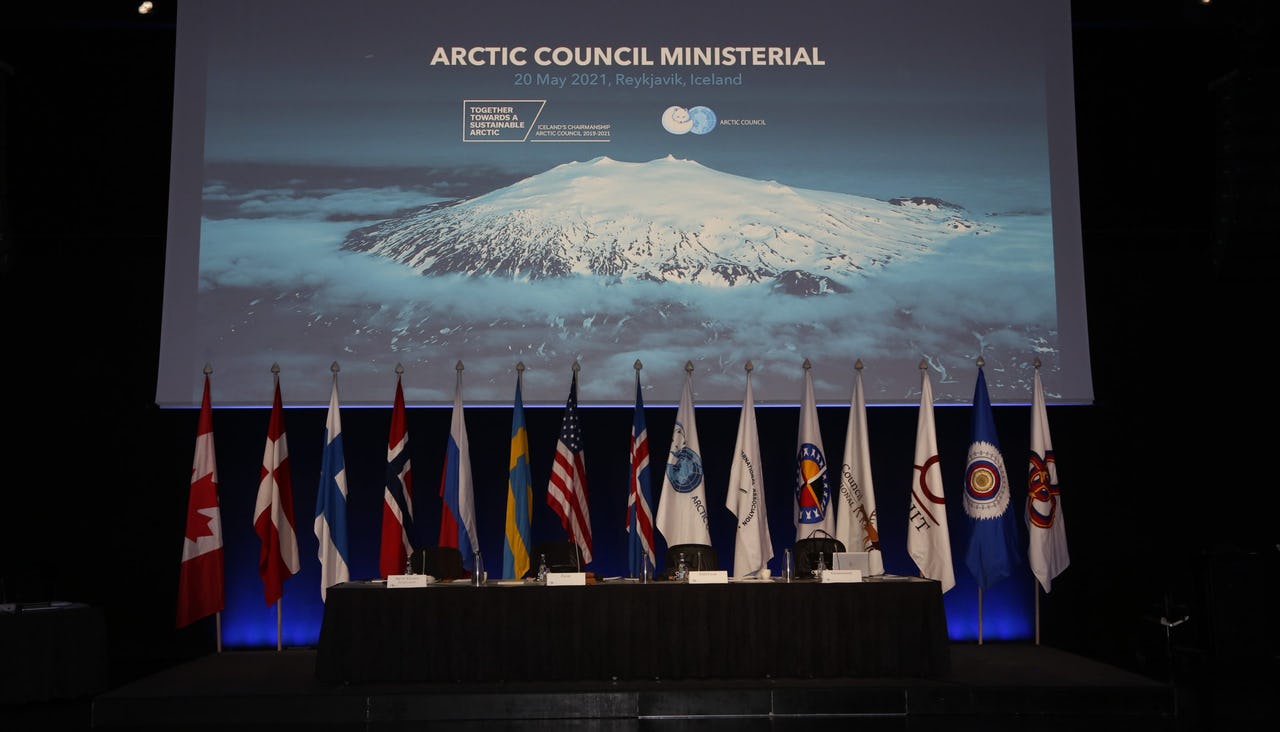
[437, 184]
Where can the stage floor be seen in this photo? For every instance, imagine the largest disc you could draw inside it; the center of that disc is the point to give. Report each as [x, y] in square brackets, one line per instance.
[997, 685]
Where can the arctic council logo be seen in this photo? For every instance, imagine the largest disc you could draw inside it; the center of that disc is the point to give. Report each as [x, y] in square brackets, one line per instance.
[680, 120]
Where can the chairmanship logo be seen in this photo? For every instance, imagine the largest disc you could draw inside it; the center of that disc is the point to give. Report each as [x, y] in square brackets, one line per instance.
[681, 120]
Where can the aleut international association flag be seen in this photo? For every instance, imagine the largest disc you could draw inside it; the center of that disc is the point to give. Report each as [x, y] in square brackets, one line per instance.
[928, 540]
[752, 548]
[200, 579]
[682, 507]
[857, 525]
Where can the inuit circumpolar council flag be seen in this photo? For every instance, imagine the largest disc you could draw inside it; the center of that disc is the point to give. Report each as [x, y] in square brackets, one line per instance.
[682, 509]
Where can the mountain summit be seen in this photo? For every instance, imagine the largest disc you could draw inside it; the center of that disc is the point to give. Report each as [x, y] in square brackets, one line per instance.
[667, 220]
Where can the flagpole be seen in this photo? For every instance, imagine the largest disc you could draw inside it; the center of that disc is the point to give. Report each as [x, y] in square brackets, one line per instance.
[1035, 583]
[979, 616]
[1035, 589]
[280, 624]
[633, 523]
[217, 622]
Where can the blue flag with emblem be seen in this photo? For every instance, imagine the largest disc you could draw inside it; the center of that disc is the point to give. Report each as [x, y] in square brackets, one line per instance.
[991, 552]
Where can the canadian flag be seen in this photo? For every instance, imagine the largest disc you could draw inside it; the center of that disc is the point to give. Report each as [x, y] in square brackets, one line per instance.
[200, 592]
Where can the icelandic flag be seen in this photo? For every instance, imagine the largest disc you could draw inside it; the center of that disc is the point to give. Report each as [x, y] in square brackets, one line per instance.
[639, 513]
[752, 546]
[458, 517]
[397, 496]
[515, 546]
[986, 496]
[331, 502]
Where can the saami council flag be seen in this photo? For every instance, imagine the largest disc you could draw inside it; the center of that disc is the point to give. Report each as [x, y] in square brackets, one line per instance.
[1047, 550]
[857, 525]
[331, 501]
[812, 508]
[517, 541]
[458, 515]
[273, 512]
[991, 550]
[397, 496]
[200, 581]
[928, 542]
[682, 507]
[752, 546]
[567, 490]
[639, 495]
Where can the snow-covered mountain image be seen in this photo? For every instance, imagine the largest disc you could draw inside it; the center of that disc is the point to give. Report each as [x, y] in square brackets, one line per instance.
[666, 221]
[607, 262]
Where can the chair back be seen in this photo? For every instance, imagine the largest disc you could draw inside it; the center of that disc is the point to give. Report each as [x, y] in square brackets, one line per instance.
[441, 562]
[562, 556]
[698, 557]
[807, 551]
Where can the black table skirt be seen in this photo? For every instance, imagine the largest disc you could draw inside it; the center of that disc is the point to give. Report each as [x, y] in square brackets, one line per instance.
[621, 630]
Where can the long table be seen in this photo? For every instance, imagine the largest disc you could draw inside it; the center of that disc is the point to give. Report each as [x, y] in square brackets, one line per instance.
[626, 631]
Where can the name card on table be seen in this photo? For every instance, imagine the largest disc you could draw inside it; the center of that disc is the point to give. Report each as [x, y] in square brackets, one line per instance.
[709, 577]
[395, 581]
[842, 575]
[566, 579]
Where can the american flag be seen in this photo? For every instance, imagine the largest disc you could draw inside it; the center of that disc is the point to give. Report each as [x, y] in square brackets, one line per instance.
[639, 513]
[567, 493]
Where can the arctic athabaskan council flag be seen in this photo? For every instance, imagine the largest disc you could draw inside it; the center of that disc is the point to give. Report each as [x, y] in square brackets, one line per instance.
[857, 525]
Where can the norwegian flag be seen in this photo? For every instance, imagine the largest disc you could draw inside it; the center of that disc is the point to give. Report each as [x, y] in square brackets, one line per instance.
[200, 583]
[397, 498]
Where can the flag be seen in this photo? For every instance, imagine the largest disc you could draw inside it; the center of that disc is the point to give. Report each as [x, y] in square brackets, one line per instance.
[515, 548]
[639, 496]
[857, 525]
[928, 542]
[397, 496]
[273, 513]
[682, 508]
[1047, 551]
[200, 589]
[567, 491]
[986, 496]
[812, 509]
[752, 547]
[331, 502]
[458, 515]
